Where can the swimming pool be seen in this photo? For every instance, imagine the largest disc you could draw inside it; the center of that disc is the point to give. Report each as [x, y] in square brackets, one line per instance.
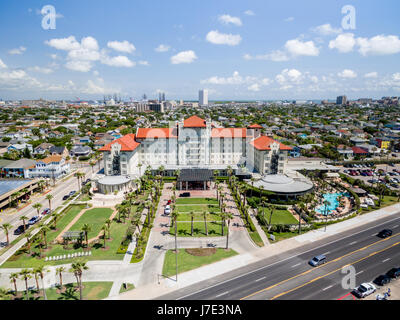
[333, 202]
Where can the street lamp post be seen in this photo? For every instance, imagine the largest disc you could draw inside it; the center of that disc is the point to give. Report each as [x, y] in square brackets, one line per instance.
[326, 202]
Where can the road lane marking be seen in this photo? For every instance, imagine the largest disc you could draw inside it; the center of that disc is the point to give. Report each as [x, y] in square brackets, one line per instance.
[395, 226]
[336, 270]
[326, 253]
[359, 272]
[354, 242]
[260, 279]
[327, 287]
[291, 257]
[296, 265]
[315, 268]
[386, 260]
[222, 294]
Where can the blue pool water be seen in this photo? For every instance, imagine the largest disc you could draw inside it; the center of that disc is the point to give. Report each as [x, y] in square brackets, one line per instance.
[333, 202]
[8, 185]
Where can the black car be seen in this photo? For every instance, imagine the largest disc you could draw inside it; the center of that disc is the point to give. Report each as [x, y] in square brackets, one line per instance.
[394, 273]
[72, 193]
[382, 280]
[185, 194]
[66, 197]
[385, 233]
[20, 229]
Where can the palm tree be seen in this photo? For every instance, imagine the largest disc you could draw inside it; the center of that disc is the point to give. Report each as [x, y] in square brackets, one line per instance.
[26, 274]
[44, 229]
[40, 270]
[77, 269]
[37, 206]
[13, 278]
[59, 272]
[272, 209]
[23, 219]
[4, 294]
[6, 227]
[191, 218]
[86, 229]
[108, 223]
[79, 175]
[104, 229]
[55, 216]
[140, 169]
[229, 217]
[28, 241]
[205, 213]
[223, 217]
[49, 197]
[92, 164]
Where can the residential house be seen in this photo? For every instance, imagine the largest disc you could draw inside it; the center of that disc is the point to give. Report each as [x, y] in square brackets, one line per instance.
[42, 148]
[17, 169]
[80, 151]
[62, 151]
[53, 167]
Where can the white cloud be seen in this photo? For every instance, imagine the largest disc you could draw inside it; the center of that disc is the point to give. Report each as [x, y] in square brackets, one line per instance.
[162, 48]
[343, 43]
[119, 61]
[19, 50]
[371, 75]
[249, 13]
[379, 45]
[123, 46]
[326, 30]
[396, 76]
[143, 63]
[347, 73]
[41, 70]
[227, 19]
[2, 65]
[93, 88]
[298, 48]
[292, 75]
[254, 87]
[276, 56]
[216, 37]
[78, 65]
[235, 79]
[184, 57]
[66, 44]
[13, 75]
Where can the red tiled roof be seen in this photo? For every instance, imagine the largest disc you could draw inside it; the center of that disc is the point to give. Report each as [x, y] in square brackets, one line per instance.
[263, 143]
[194, 122]
[358, 150]
[255, 126]
[128, 143]
[228, 133]
[161, 133]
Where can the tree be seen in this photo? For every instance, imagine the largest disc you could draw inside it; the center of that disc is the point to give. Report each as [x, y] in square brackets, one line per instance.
[191, 218]
[86, 229]
[23, 219]
[77, 269]
[44, 229]
[104, 229]
[28, 241]
[272, 209]
[205, 213]
[6, 227]
[79, 176]
[59, 272]
[13, 278]
[229, 217]
[108, 223]
[40, 270]
[55, 216]
[26, 274]
[49, 197]
[4, 294]
[37, 206]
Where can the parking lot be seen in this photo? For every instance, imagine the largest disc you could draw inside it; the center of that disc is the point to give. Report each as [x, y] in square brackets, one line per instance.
[370, 176]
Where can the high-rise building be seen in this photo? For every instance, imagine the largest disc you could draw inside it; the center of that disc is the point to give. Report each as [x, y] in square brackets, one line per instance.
[341, 100]
[203, 97]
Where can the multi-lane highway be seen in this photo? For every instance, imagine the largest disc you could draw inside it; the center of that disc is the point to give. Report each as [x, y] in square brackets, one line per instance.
[288, 275]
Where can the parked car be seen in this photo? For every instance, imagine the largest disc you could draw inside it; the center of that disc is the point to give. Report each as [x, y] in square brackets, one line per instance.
[394, 272]
[46, 211]
[317, 260]
[385, 233]
[33, 220]
[20, 229]
[365, 289]
[169, 202]
[185, 194]
[167, 210]
[72, 193]
[66, 197]
[382, 280]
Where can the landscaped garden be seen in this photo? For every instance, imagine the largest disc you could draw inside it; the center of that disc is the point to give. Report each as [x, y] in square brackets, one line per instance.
[189, 259]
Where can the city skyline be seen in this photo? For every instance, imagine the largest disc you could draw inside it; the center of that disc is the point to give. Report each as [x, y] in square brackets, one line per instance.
[236, 51]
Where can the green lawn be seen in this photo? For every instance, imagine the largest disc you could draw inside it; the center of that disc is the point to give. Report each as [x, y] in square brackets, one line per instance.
[198, 217]
[198, 208]
[196, 201]
[199, 230]
[280, 216]
[188, 262]
[91, 291]
[93, 217]
[386, 201]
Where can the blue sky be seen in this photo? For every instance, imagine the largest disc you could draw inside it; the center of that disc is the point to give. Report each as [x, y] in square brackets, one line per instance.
[236, 49]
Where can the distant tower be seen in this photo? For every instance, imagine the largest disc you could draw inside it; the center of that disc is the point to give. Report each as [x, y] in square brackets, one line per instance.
[163, 96]
[341, 100]
[144, 97]
[203, 97]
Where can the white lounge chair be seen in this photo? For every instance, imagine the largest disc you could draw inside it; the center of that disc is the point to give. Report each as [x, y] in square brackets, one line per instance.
[45, 259]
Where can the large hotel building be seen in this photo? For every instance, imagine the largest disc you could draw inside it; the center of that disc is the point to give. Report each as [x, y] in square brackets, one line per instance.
[193, 143]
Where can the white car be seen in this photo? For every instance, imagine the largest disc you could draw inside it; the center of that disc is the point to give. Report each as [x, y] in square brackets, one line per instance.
[167, 209]
[365, 289]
